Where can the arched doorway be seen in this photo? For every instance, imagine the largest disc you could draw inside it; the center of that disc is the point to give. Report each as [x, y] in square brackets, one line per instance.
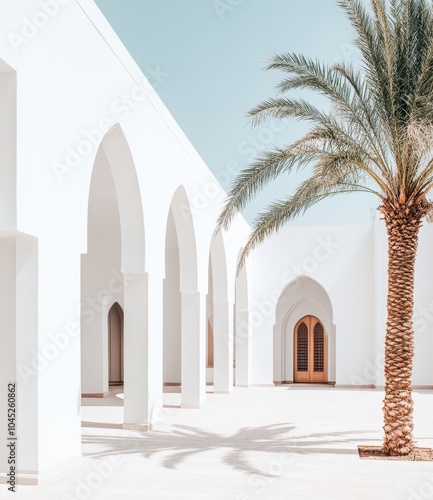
[301, 298]
[113, 270]
[115, 345]
[310, 351]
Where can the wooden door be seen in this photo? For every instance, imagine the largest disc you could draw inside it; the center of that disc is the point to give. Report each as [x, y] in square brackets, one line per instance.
[310, 351]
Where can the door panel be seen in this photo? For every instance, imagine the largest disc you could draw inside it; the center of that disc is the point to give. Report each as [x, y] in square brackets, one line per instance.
[302, 353]
[310, 351]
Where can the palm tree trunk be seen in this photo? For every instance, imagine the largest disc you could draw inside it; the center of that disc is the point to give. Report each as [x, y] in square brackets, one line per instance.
[402, 224]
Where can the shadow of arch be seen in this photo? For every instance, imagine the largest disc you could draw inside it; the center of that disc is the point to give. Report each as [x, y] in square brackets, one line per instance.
[303, 296]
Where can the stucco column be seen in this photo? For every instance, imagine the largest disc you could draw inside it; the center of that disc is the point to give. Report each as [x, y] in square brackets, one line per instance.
[142, 351]
[243, 348]
[193, 343]
[19, 356]
[223, 347]
[104, 331]
[94, 354]
[94, 338]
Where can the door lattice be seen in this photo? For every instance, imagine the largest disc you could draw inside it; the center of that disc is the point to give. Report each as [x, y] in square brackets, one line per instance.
[310, 351]
[319, 348]
[302, 348]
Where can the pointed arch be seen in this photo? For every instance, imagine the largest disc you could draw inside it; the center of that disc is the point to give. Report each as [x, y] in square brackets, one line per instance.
[302, 297]
[218, 261]
[180, 210]
[184, 334]
[115, 166]
[115, 252]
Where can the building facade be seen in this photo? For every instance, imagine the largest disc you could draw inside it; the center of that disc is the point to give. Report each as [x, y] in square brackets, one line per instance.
[111, 270]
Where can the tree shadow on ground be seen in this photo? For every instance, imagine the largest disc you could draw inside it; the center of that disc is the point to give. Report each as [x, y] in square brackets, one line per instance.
[183, 442]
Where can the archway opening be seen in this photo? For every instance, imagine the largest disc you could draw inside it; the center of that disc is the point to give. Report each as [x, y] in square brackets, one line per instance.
[115, 248]
[184, 327]
[304, 302]
[220, 318]
[172, 360]
[115, 345]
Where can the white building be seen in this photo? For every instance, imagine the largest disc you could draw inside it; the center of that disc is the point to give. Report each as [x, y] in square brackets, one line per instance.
[111, 272]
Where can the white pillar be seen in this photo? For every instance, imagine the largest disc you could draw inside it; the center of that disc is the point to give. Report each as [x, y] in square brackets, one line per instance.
[94, 333]
[142, 351]
[136, 414]
[136, 366]
[223, 347]
[243, 348]
[193, 346]
[94, 343]
[19, 343]
[105, 354]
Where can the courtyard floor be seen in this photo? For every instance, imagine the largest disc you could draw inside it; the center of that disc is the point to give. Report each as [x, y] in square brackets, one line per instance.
[288, 442]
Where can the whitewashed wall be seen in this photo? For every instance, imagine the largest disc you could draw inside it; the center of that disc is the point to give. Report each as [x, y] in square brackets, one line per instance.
[76, 87]
[347, 267]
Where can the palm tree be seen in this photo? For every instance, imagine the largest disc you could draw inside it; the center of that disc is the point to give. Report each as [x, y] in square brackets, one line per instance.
[377, 137]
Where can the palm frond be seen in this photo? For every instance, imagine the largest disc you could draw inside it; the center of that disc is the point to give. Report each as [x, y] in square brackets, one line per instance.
[281, 212]
[377, 133]
[347, 94]
[265, 169]
[286, 108]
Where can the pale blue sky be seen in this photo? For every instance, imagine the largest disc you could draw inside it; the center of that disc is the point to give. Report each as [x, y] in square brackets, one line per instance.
[205, 59]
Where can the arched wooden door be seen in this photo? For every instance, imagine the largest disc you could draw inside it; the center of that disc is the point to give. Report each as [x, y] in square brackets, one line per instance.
[115, 345]
[310, 351]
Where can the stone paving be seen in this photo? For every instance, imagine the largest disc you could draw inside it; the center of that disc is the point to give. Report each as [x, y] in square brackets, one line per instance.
[288, 442]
